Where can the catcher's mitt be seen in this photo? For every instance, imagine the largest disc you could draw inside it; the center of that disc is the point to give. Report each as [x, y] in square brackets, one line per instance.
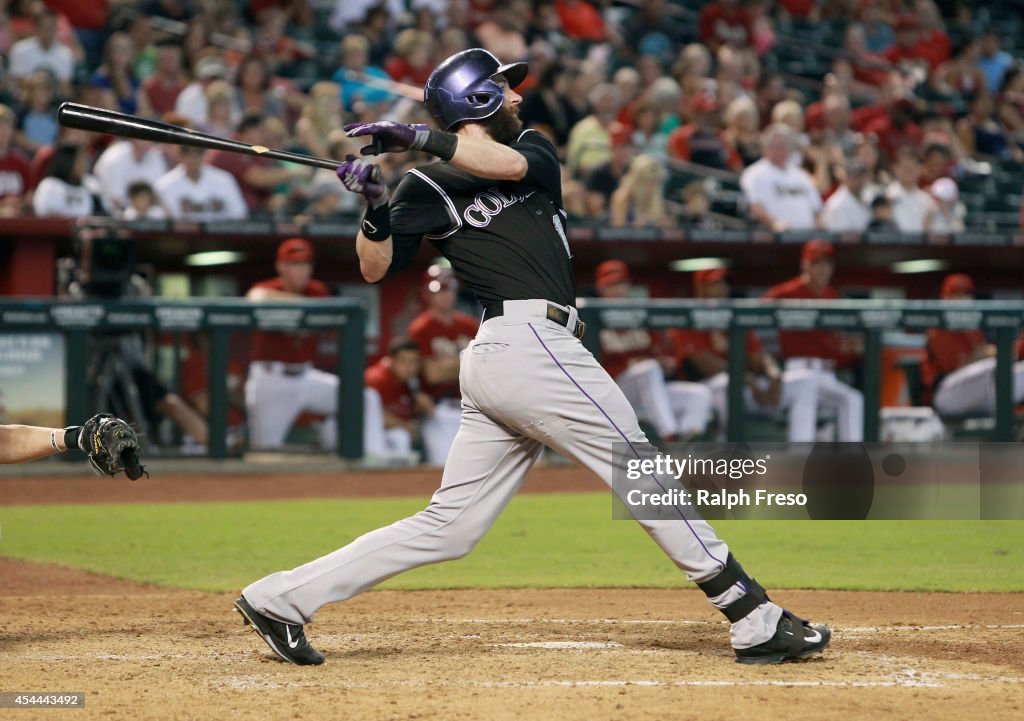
[112, 446]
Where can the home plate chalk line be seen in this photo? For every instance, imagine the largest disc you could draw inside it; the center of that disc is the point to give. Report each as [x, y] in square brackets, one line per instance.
[906, 678]
[576, 645]
[691, 622]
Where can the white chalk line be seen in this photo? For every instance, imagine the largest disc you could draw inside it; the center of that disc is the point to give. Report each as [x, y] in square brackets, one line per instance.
[907, 678]
[690, 622]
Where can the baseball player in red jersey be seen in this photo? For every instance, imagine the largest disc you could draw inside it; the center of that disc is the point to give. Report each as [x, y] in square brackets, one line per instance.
[282, 381]
[961, 365]
[442, 333]
[493, 208]
[391, 384]
[638, 360]
[821, 351]
[702, 356]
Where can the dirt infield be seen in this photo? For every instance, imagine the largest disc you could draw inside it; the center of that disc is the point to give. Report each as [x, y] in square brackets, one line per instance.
[148, 653]
[142, 652]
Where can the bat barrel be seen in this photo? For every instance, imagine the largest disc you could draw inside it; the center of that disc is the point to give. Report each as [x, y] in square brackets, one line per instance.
[98, 120]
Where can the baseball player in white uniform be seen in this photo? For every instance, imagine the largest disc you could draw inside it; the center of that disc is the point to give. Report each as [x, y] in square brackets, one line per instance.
[493, 209]
[639, 359]
[960, 366]
[703, 353]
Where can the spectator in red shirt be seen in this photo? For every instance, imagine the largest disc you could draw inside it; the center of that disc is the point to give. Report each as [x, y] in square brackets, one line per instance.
[700, 141]
[581, 21]
[412, 61]
[907, 53]
[283, 381]
[961, 365]
[15, 172]
[934, 43]
[163, 87]
[822, 351]
[724, 22]
[258, 177]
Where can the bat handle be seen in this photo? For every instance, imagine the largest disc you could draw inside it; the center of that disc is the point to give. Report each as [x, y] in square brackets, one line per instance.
[376, 175]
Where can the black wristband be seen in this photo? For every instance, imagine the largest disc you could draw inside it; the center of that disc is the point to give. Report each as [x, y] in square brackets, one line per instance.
[71, 434]
[441, 144]
[376, 225]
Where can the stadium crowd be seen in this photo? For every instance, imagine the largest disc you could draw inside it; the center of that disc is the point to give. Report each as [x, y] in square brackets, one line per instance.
[664, 113]
[794, 115]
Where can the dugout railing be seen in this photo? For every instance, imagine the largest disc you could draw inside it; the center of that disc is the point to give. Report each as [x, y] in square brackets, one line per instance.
[1002, 320]
[218, 318]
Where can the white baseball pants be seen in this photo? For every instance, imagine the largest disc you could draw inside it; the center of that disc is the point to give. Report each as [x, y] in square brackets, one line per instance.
[972, 388]
[526, 383]
[676, 409]
[274, 399]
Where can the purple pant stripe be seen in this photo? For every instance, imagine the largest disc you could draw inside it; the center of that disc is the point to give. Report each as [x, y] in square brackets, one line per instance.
[624, 437]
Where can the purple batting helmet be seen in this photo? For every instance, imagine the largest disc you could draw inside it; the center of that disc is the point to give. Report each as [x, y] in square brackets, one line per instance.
[461, 88]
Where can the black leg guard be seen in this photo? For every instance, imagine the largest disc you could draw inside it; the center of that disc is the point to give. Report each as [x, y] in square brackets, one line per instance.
[732, 574]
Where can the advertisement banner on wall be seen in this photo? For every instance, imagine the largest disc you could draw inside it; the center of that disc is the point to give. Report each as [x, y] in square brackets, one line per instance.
[32, 379]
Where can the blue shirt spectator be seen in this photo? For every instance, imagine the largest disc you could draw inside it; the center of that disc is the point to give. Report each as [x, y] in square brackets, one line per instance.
[994, 61]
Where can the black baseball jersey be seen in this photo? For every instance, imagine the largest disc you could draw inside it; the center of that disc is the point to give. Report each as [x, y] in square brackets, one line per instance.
[505, 239]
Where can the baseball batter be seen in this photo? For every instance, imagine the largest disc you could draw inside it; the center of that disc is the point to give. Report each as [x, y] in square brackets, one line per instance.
[960, 367]
[282, 380]
[638, 360]
[493, 209]
[442, 333]
[821, 351]
[703, 354]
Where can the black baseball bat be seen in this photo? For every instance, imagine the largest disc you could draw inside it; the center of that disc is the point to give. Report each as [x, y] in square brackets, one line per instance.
[111, 122]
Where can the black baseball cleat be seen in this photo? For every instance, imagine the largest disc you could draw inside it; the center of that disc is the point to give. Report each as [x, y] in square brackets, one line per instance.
[287, 640]
[786, 645]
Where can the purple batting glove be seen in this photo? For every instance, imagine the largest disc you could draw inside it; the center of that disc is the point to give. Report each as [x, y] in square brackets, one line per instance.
[388, 136]
[363, 177]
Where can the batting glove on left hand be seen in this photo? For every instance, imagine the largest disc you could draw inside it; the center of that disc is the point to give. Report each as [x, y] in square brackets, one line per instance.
[388, 136]
[364, 178]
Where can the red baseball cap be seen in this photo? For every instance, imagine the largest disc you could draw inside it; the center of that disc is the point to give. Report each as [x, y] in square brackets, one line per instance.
[437, 278]
[957, 283]
[815, 250]
[708, 276]
[295, 250]
[611, 272]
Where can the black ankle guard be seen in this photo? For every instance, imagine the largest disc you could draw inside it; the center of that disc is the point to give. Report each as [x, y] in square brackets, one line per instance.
[732, 574]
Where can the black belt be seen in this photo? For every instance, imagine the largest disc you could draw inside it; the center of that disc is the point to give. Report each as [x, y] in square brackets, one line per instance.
[558, 315]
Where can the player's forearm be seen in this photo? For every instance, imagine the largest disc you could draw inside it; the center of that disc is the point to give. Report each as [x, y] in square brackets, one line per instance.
[486, 158]
[374, 257]
[27, 443]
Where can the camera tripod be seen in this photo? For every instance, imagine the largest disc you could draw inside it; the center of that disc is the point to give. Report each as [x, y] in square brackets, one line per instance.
[110, 375]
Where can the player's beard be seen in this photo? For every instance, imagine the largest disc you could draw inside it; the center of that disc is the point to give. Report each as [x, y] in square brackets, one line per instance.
[504, 126]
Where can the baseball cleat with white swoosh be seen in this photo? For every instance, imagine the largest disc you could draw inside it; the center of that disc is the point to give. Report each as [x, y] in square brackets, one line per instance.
[794, 638]
[287, 640]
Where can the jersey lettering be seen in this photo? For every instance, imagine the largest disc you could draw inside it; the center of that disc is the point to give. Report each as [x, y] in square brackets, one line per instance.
[488, 204]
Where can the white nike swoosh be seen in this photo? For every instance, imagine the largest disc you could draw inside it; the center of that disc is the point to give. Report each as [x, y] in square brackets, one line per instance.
[369, 226]
[288, 633]
[813, 638]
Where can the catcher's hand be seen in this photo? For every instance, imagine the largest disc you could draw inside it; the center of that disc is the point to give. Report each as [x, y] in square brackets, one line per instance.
[388, 136]
[112, 446]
